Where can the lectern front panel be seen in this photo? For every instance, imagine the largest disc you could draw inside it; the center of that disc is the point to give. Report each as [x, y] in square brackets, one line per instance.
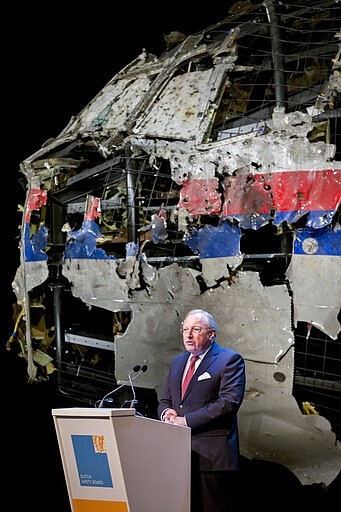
[91, 463]
[115, 461]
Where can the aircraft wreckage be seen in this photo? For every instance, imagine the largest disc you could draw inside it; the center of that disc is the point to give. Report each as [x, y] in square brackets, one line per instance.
[208, 177]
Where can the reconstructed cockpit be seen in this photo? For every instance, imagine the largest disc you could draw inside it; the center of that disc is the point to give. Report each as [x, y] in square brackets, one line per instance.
[206, 177]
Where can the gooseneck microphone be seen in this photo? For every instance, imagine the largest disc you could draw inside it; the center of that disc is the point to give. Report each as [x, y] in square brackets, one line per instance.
[138, 370]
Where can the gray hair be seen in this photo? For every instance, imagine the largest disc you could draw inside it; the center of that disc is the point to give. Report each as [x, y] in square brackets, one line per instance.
[206, 315]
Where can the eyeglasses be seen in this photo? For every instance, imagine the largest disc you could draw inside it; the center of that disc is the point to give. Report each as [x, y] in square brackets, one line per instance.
[195, 330]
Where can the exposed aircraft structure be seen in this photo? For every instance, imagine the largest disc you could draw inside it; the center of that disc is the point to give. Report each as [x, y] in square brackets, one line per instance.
[206, 177]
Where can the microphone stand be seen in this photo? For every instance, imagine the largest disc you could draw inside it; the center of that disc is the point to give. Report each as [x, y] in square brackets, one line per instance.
[137, 369]
[133, 401]
[110, 392]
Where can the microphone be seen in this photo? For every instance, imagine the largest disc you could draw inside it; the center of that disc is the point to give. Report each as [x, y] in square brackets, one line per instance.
[138, 370]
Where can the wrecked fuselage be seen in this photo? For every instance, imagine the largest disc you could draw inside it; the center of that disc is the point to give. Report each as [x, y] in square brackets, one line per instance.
[201, 178]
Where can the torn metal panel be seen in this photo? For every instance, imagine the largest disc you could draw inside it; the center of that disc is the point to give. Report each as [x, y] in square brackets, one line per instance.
[315, 275]
[94, 281]
[253, 319]
[82, 243]
[172, 284]
[214, 270]
[35, 238]
[36, 199]
[214, 241]
[149, 341]
[111, 108]
[269, 417]
[176, 113]
[35, 244]
[248, 198]
[130, 271]
[251, 198]
[28, 276]
[200, 196]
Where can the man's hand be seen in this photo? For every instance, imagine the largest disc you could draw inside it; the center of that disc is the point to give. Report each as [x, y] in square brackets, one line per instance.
[171, 416]
[180, 420]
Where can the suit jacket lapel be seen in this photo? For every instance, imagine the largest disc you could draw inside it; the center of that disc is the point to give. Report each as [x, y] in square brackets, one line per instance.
[211, 355]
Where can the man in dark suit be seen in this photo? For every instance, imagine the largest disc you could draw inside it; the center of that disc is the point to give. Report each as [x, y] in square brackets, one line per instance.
[209, 407]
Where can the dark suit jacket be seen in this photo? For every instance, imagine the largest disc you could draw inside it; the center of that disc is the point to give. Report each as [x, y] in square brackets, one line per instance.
[210, 404]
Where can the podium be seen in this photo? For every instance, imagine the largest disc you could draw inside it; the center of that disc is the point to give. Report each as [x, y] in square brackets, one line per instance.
[116, 461]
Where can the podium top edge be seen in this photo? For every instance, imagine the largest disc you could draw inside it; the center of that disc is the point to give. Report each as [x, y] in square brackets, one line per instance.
[105, 412]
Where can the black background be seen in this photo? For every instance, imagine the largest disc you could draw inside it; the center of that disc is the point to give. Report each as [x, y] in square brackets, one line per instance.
[56, 58]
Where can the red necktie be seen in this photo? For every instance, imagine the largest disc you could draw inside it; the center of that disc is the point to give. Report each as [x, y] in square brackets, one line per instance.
[189, 374]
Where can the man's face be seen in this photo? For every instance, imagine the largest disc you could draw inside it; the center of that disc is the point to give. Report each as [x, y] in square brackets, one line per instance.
[196, 334]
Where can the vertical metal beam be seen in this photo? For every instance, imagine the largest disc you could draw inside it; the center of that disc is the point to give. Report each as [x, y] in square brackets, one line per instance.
[277, 55]
[57, 306]
[131, 194]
